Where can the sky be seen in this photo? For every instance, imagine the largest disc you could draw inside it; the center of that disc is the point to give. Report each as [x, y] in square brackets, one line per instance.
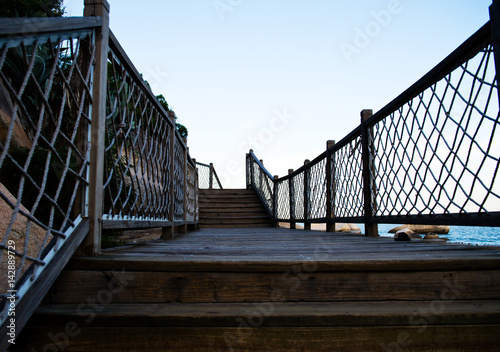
[282, 77]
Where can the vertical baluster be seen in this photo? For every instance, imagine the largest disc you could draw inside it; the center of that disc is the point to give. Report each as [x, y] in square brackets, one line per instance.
[91, 245]
[168, 231]
[330, 187]
[252, 181]
[291, 199]
[495, 36]
[307, 195]
[183, 227]
[261, 175]
[275, 201]
[211, 177]
[369, 186]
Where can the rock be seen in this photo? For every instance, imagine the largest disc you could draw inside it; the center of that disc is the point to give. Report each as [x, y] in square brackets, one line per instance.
[18, 236]
[409, 232]
[342, 227]
[423, 229]
[402, 236]
[431, 236]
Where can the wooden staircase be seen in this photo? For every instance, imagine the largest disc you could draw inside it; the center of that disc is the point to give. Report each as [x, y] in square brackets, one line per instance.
[273, 290]
[232, 208]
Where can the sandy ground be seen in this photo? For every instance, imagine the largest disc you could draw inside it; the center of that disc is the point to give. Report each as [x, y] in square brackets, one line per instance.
[17, 238]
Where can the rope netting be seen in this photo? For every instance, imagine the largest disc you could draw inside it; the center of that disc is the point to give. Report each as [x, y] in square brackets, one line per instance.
[433, 151]
[45, 97]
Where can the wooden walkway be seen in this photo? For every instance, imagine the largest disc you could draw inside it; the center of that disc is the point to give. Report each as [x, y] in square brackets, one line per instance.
[282, 246]
[268, 289]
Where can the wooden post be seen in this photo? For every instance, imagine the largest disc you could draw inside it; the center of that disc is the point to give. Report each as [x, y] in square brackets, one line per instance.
[82, 142]
[307, 192]
[275, 201]
[495, 36]
[183, 228]
[247, 170]
[91, 245]
[251, 168]
[292, 200]
[197, 199]
[168, 231]
[211, 177]
[369, 187]
[330, 187]
[261, 176]
[194, 226]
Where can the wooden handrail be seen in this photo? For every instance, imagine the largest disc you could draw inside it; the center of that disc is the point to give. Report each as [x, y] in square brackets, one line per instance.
[38, 26]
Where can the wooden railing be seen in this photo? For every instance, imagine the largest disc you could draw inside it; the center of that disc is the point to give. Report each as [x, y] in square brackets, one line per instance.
[149, 177]
[431, 156]
[208, 178]
[84, 145]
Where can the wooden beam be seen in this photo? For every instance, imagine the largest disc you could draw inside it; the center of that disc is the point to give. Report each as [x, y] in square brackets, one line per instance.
[371, 228]
[291, 194]
[495, 36]
[10, 27]
[92, 243]
[307, 194]
[330, 186]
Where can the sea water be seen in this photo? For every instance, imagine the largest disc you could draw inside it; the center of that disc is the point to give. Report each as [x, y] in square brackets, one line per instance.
[475, 235]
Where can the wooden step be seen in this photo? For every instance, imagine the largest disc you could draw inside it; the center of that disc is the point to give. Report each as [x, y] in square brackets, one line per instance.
[350, 326]
[273, 290]
[233, 217]
[318, 314]
[236, 225]
[227, 191]
[241, 202]
[232, 208]
[216, 211]
[302, 282]
[463, 338]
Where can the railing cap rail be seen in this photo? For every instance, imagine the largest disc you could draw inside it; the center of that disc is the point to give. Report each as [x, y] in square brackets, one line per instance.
[260, 164]
[118, 50]
[447, 65]
[19, 27]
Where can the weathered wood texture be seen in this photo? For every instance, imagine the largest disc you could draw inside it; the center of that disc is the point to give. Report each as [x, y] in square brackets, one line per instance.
[268, 289]
[92, 243]
[232, 208]
[34, 295]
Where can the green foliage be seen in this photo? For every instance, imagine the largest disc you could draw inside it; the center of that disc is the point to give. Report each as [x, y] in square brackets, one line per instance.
[16, 65]
[31, 8]
[111, 238]
[182, 130]
[180, 127]
[163, 102]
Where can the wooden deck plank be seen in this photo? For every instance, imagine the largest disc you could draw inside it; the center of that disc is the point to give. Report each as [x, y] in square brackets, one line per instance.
[298, 283]
[272, 314]
[316, 339]
[327, 292]
[276, 244]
